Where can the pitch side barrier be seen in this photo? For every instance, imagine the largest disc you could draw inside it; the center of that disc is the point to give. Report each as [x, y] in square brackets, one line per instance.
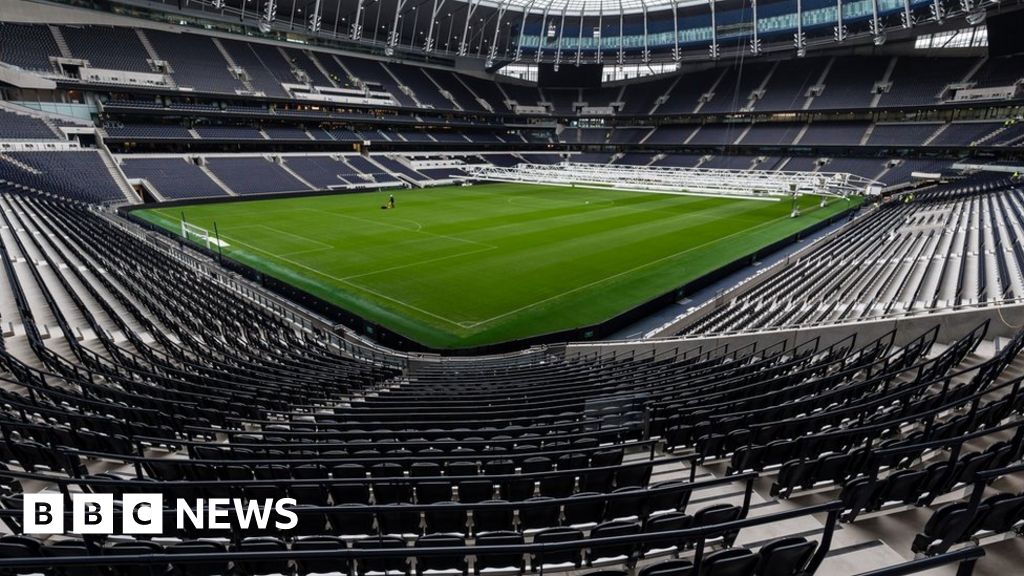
[698, 535]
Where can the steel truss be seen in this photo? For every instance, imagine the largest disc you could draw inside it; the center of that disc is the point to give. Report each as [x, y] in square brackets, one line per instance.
[751, 184]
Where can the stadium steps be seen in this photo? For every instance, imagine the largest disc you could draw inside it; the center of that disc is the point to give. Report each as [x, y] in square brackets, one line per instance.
[154, 56]
[820, 84]
[45, 319]
[709, 94]
[886, 80]
[299, 74]
[312, 55]
[401, 86]
[665, 97]
[118, 176]
[990, 137]
[743, 134]
[483, 102]
[974, 70]
[66, 302]
[757, 93]
[867, 135]
[209, 174]
[62, 43]
[238, 72]
[280, 162]
[444, 92]
[935, 134]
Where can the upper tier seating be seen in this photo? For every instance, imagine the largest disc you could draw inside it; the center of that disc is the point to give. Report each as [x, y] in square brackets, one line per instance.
[685, 95]
[999, 71]
[27, 45]
[196, 62]
[849, 82]
[262, 78]
[640, 98]
[919, 81]
[790, 84]
[375, 73]
[93, 43]
[734, 89]
[14, 126]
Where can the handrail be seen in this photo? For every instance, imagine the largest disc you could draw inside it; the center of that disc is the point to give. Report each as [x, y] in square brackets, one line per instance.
[966, 558]
[651, 444]
[699, 533]
[351, 481]
[748, 478]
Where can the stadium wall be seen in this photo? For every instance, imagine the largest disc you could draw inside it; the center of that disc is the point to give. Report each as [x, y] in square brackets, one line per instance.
[386, 337]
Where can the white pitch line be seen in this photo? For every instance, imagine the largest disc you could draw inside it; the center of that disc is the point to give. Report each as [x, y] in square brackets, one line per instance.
[419, 262]
[624, 272]
[293, 235]
[352, 284]
[310, 251]
[390, 225]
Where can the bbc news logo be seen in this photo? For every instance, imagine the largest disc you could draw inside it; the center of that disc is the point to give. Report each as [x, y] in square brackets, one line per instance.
[94, 513]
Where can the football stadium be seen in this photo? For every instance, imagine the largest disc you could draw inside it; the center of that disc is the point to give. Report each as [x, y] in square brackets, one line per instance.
[511, 287]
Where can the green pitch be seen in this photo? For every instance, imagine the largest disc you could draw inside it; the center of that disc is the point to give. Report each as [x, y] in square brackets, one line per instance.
[467, 266]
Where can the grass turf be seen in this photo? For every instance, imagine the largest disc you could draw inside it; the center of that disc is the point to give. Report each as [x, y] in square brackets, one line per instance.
[468, 266]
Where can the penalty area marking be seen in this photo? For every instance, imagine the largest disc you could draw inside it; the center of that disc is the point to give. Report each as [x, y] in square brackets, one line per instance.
[352, 284]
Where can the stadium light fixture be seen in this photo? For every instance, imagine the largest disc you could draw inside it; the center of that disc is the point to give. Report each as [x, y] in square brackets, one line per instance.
[839, 31]
[713, 49]
[315, 18]
[800, 39]
[269, 14]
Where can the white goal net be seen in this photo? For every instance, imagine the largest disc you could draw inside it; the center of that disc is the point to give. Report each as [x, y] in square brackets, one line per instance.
[200, 235]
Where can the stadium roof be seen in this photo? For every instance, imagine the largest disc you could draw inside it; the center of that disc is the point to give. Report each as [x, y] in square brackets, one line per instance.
[589, 6]
[578, 31]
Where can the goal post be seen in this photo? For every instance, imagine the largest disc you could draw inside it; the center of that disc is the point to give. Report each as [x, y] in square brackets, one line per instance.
[190, 231]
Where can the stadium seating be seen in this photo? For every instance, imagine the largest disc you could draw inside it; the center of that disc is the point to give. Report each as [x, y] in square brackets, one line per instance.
[93, 43]
[196, 62]
[14, 126]
[27, 46]
[254, 175]
[849, 83]
[808, 403]
[947, 247]
[174, 178]
[76, 175]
